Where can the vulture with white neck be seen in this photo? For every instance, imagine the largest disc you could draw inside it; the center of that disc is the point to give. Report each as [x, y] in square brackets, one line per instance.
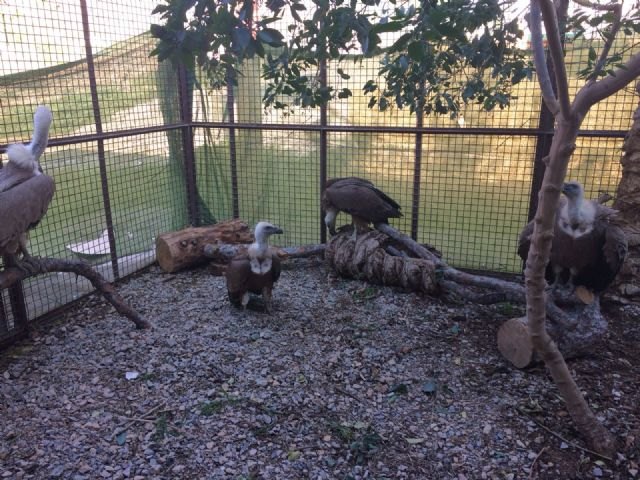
[587, 248]
[25, 192]
[255, 271]
[359, 198]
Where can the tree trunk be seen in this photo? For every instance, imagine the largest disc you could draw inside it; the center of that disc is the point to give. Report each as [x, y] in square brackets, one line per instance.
[627, 284]
[562, 147]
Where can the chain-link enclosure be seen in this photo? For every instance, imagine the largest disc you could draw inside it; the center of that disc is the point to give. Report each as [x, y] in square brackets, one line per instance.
[138, 148]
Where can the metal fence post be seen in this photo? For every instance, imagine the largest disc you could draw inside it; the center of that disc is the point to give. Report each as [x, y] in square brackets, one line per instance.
[233, 158]
[95, 101]
[543, 147]
[417, 167]
[18, 305]
[323, 147]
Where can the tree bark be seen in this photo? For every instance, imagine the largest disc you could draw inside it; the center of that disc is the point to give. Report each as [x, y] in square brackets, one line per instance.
[184, 248]
[11, 275]
[627, 284]
[365, 258]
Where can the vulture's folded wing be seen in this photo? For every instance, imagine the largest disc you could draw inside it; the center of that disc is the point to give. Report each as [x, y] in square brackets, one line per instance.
[22, 207]
[237, 275]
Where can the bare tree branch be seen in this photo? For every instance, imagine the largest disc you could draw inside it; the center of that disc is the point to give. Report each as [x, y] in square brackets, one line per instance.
[534, 19]
[12, 275]
[550, 19]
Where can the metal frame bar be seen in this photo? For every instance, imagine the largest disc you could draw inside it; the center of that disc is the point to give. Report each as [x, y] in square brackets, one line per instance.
[95, 101]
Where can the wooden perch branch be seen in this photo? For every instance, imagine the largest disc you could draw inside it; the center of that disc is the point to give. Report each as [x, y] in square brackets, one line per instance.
[13, 275]
[224, 252]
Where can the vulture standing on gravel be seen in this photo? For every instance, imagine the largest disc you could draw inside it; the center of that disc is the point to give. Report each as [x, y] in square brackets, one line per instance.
[25, 192]
[359, 198]
[587, 249]
[255, 271]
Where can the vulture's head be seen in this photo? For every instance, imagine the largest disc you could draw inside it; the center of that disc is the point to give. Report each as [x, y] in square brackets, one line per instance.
[573, 190]
[264, 230]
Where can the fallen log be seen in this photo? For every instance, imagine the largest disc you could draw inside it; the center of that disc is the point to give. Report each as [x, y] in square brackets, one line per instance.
[184, 248]
[366, 258]
[12, 275]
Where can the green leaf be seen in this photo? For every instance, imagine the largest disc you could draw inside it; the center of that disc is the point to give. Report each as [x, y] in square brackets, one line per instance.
[416, 51]
[430, 387]
[121, 438]
[343, 75]
[293, 455]
[399, 388]
[592, 54]
[271, 37]
[415, 441]
[387, 27]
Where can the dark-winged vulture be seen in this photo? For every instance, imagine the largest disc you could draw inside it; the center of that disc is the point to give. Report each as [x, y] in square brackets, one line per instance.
[587, 248]
[359, 198]
[255, 271]
[25, 192]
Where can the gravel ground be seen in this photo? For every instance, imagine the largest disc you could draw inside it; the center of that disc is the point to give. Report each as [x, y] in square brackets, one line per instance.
[344, 381]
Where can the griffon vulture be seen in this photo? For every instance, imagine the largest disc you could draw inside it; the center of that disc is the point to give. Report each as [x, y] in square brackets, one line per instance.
[587, 249]
[25, 192]
[359, 198]
[256, 270]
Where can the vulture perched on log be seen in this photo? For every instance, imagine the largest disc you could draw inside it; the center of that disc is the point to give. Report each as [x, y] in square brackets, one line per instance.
[359, 198]
[256, 270]
[587, 248]
[25, 192]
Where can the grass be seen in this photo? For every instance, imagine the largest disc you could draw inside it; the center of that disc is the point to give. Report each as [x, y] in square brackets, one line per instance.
[474, 192]
[145, 201]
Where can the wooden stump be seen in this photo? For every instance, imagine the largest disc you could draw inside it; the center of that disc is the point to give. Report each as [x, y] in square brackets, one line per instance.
[575, 322]
[514, 342]
[184, 248]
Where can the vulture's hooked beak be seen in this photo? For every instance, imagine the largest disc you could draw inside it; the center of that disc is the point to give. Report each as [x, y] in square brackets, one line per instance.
[276, 230]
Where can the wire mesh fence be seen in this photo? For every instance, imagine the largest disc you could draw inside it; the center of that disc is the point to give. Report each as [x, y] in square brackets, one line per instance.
[139, 148]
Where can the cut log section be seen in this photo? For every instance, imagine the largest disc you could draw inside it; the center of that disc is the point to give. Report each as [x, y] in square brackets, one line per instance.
[184, 248]
[577, 328]
[514, 342]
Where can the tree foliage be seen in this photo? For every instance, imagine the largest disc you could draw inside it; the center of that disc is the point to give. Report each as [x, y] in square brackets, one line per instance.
[443, 53]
